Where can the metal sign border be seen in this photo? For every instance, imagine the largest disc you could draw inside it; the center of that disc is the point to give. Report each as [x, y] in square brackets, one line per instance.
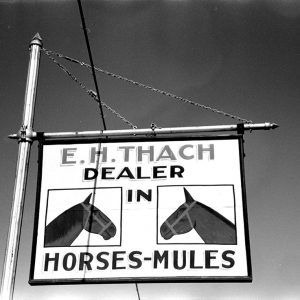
[204, 279]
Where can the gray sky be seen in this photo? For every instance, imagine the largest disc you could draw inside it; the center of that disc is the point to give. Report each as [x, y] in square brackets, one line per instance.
[238, 56]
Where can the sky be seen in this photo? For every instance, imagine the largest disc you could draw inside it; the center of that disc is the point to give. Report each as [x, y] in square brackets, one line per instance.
[241, 57]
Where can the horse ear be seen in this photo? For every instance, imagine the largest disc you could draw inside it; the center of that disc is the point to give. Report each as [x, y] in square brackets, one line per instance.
[87, 200]
[188, 198]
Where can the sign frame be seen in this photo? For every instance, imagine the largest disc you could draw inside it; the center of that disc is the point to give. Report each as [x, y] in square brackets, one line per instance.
[207, 279]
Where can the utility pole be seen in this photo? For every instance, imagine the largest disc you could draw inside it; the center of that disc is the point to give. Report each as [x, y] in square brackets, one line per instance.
[25, 140]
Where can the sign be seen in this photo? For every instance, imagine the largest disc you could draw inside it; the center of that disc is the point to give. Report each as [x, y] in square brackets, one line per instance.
[141, 210]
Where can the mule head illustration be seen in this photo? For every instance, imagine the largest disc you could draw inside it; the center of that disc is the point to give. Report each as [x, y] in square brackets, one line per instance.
[96, 221]
[211, 226]
[179, 222]
[65, 228]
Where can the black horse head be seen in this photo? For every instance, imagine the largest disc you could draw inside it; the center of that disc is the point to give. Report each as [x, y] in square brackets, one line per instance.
[65, 228]
[211, 226]
[179, 222]
[95, 221]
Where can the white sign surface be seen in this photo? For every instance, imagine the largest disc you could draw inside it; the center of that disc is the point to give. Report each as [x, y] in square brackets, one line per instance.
[152, 210]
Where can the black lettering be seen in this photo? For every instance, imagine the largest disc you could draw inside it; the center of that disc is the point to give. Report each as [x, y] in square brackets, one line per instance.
[116, 258]
[105, 172]
[209, 257]
[136, 260]
[85, 259]
[157, 171]
[230, 260]
[175, 258]
[54, 259]
[129, 196]
[88, 176]
[102, 260]
[139, 174]
[176, 170]
[158, 258]
[192, 261]
[146, 196]
[73, 261]
[125, 173]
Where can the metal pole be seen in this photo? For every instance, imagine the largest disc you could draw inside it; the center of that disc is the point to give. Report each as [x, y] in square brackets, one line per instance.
[148, 131]
[13, 239]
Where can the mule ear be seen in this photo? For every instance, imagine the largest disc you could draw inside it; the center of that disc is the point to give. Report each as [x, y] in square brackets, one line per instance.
[188, 198]
[87, 200]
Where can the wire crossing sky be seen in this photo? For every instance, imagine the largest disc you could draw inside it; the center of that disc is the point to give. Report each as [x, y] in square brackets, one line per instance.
[91, 60]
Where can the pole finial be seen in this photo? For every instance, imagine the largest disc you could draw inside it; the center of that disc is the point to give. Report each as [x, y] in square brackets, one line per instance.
[37, 40]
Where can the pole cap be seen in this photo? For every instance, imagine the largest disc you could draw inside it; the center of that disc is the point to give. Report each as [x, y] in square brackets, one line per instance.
[37, 40]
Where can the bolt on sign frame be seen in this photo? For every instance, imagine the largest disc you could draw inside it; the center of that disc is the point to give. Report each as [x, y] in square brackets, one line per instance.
[141, 210]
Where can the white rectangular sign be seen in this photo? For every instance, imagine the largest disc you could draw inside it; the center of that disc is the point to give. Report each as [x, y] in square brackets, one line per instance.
[141, 210]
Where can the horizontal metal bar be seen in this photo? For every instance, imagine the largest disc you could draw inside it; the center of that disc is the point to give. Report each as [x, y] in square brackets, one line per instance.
[148, 131]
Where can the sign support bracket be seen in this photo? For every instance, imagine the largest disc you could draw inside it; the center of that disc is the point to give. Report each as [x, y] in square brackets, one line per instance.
[25, 138]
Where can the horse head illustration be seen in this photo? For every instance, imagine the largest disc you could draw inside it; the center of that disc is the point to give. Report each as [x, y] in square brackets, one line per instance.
[65, 228]
[211, 226]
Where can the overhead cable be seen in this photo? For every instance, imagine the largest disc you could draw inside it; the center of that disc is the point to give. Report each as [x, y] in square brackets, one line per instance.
[137, 291]
[91, 60]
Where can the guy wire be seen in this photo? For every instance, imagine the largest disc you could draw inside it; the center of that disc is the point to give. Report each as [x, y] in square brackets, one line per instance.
[153, 89]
